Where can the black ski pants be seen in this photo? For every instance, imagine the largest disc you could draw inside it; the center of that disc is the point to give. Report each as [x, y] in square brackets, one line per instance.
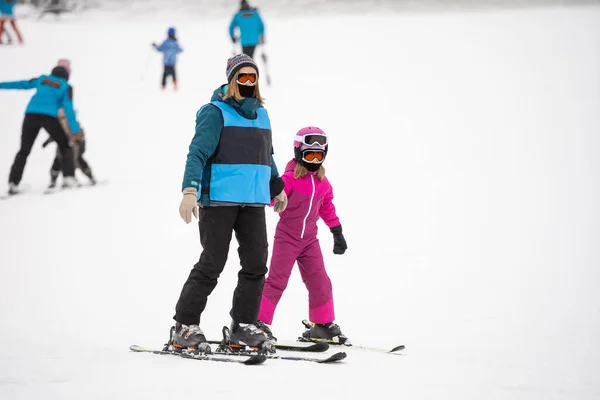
[216, 227]
[169, 71]
[31, 127]
[249, 50]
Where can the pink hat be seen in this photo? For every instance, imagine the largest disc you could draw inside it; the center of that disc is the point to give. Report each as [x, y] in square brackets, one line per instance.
[65, 63]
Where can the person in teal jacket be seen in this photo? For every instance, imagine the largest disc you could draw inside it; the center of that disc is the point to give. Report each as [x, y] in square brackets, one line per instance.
[52, 93]
[251, 28]
[230, 171]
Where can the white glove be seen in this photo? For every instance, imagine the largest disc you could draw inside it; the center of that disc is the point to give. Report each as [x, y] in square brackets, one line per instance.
[281, 201]
[189, 204]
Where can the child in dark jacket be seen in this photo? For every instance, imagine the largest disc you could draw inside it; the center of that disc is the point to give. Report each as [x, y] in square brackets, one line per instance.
[78, 145]
[170, 49]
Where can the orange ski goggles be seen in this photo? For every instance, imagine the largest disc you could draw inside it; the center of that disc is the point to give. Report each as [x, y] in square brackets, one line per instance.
[245, 77]
[311, 156]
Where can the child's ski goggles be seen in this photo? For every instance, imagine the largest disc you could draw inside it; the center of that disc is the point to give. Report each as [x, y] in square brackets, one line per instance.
[311, 139]
[244, 78]
[314, 157]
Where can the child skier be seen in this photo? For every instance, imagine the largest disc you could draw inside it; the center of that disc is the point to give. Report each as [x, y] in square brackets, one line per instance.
[310, 197]
[78, 145]
[170, 48]
[7, 15]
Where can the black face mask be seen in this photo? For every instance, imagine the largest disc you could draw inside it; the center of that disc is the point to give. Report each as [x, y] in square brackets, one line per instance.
[246, 91]
[310, 166]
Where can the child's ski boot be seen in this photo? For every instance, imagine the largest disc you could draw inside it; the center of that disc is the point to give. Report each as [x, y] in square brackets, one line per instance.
[330, 333]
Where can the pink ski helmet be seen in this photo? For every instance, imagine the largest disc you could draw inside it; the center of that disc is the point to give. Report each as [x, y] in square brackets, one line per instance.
[310, 138]
[66, 64]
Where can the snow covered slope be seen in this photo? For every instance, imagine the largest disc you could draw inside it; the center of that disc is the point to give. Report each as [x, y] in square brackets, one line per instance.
[465, 162]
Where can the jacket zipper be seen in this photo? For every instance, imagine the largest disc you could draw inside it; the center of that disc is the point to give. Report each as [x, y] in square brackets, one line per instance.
[312, 179]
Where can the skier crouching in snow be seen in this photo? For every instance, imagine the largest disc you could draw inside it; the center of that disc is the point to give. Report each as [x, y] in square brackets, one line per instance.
[78, 144]
[231, 173]
[170, 48]
[52, 93]
[310, 197]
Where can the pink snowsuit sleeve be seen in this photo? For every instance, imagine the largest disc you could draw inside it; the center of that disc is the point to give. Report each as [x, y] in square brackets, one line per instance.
[327, 211]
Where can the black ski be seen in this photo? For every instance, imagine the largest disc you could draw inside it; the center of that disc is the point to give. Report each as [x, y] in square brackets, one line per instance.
[329, 360]
[312, 347]
[254, 359]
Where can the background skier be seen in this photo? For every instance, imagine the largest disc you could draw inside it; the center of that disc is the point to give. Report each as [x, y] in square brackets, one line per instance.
[170, 49]
[52, 93]
[7, 15]
[251, 28]
[79, 145]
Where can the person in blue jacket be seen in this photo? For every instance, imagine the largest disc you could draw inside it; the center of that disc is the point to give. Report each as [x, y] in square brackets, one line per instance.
[251, 28]
[230, 172]
[52, 93]
[7, 14]
[170, 49]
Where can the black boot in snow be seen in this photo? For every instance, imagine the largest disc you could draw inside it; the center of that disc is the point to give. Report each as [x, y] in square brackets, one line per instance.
[329, 332]
[267, 330]
[188, 337]
[250, 335]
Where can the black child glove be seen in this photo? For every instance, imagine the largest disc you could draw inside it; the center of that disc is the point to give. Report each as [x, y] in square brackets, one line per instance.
[339, 243]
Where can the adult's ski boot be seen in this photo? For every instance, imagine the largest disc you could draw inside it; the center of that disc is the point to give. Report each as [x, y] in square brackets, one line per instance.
[241, 335]
[330, 333]
[267, 330]
[189, 339]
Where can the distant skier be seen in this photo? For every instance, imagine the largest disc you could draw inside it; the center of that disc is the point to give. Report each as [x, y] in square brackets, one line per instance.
[7, 15]
[78, 145]
[310, 197]
[170, 49]
[251, 28]
[52, 93]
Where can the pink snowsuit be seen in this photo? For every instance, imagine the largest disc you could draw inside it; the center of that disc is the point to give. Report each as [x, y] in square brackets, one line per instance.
[296, 240]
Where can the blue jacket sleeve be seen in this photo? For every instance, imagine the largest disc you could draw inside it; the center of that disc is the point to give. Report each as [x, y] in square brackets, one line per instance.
[20, 85]
[162, 46]
[67, 105]
[209, 124]
[234, 24]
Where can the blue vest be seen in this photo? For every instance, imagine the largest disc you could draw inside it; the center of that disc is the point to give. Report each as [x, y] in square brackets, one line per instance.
[240, 168]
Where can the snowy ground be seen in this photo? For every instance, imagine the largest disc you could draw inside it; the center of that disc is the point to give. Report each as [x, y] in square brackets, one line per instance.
[465, 162]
